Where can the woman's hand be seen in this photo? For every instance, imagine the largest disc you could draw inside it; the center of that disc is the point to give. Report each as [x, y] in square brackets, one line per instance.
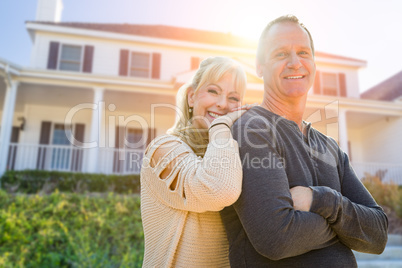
[229, 118]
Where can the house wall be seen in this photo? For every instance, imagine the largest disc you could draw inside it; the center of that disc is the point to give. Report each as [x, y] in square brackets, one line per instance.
[356, 145]
[383, 144]
[106, 58]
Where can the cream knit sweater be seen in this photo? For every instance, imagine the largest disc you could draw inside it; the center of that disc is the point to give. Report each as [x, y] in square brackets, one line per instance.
[182, 225]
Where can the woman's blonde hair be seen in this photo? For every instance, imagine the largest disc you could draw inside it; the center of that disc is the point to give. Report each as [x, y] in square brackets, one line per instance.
[211, 70]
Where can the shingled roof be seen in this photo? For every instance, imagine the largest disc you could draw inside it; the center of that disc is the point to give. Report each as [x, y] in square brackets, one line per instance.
[162, 31]
[388, 90]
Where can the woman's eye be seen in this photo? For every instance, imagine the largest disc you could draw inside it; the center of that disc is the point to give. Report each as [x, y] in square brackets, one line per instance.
[234, 99]
[213, 91]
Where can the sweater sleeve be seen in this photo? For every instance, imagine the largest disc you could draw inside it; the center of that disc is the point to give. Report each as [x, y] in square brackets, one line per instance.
[265, 207]
[353, 214]
[196, 184]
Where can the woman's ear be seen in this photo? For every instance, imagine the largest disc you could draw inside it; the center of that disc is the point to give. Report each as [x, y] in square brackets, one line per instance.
[190, 97]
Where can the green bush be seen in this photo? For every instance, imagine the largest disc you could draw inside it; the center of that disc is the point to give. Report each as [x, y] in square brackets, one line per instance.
[385, 194]
[35, 181]
[70, 230]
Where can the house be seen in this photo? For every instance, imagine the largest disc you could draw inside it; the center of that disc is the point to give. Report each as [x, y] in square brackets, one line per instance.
[94, 95]
[388, 90]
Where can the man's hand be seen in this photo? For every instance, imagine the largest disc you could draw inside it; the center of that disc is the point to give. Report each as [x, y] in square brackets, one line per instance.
[302, 198]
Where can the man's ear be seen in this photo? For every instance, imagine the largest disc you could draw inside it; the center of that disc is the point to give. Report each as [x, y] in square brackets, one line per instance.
[190, 97]
[259, 69]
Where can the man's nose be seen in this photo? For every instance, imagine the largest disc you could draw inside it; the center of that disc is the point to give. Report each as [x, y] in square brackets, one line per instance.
[294, 61]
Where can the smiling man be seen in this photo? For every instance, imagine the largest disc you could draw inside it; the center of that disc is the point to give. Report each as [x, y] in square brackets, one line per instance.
[305, 207]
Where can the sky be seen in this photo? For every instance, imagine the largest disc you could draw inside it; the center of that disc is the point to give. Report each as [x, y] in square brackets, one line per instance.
[369, 30]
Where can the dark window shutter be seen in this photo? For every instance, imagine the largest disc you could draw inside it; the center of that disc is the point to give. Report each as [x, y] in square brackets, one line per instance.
[195, 63]
[118, 164]
[44, 138]
[45, 132]
[342, 84]
[123, 69]
[156, 65]
[77, 156]
[317, 83]
[53, 55]
[151, 135]
[79, 132]
[88, 59]
[12, 151]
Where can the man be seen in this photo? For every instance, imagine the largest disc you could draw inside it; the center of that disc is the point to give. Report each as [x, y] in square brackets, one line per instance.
[301, 203]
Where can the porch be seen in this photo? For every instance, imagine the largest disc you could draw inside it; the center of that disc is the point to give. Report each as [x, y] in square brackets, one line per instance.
[70, 158]
[123, 161]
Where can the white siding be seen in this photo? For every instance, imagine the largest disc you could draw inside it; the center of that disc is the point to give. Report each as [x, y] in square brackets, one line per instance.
[381, 141]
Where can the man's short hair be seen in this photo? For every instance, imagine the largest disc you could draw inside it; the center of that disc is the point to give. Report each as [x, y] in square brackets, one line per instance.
[285, 18]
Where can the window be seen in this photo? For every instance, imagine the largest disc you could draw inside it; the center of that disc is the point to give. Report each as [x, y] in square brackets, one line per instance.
[139, 64]
[330, 84]
[70, 58]
[75, 58]
[131, 142]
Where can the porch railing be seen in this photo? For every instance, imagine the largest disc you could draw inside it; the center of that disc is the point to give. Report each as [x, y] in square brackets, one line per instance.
[388, 172]
[128, 161]
[73, 159]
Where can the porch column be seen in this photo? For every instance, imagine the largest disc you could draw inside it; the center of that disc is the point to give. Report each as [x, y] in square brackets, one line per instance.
[7, 123]
[343, 131]
[96, 130]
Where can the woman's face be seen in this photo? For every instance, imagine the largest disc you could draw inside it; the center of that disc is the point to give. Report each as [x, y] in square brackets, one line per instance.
[213, 100]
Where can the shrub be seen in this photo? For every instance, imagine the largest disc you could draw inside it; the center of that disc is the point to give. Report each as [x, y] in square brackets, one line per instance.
[385, 194]
[70, 230]
[35, 181]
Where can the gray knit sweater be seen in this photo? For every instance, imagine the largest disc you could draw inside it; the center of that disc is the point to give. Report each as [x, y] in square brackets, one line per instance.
[263, 228]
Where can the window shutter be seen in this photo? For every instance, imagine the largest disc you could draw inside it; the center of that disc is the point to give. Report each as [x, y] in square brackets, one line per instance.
[123, 70]
[120, 136]
[79, 132]
[151, 135]
[53, 55]
[317, 83]
[156, 65]
[88, 58]
[45, 132]
[77, 157]
[43, 139]
[342, 84]
[12, 151]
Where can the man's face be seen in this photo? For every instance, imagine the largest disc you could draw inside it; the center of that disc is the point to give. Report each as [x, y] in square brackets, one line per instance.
[289, 68]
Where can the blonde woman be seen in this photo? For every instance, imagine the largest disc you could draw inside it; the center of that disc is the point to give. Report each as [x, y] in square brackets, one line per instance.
[194, 171]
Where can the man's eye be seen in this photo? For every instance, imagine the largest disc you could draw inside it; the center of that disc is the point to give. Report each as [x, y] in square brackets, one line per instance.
[281, 54]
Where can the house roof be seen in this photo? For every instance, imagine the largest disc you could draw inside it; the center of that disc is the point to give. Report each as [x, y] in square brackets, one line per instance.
[388, 90]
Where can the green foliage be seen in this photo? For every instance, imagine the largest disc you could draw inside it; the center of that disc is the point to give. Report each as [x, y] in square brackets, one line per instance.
[385, 194]
[35, 181]
[70, 230]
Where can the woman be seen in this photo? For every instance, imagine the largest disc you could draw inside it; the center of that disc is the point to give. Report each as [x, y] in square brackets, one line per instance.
[194, 171]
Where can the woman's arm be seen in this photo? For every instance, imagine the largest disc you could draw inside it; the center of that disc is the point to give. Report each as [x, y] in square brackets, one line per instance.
[187, 182]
